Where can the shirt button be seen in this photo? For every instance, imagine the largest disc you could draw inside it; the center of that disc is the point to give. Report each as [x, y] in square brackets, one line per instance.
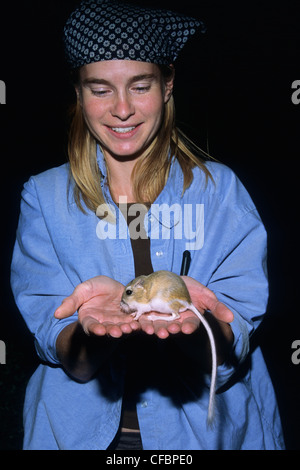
[159, 253]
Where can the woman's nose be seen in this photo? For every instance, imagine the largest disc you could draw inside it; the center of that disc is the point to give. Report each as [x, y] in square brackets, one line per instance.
[123, 107]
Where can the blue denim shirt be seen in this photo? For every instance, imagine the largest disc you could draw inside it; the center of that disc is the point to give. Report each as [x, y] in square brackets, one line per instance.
[58, 247]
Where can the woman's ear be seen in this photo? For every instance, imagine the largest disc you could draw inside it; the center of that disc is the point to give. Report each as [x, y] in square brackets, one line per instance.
[169, 84]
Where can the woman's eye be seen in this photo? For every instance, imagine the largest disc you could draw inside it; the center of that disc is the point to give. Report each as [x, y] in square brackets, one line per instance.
[99, 92]
[142, 89]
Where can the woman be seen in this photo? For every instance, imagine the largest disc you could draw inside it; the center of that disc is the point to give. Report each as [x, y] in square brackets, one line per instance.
[133, 198]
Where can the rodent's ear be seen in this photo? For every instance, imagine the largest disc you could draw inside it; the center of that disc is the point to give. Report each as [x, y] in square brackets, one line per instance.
[140, 281]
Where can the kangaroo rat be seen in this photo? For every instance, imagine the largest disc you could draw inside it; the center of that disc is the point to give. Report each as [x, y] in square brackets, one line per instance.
[165, 292]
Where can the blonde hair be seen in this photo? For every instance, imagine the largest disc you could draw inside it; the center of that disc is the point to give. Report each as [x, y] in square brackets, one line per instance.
[151, 171]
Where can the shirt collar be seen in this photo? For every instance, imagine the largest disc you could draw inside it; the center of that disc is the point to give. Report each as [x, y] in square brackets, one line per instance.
[101, 163]
[172, 191]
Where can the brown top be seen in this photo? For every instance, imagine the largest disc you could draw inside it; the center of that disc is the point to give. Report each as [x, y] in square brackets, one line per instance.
[143, 265]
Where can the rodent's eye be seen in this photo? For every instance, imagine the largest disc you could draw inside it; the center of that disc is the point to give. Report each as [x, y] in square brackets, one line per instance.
[128, 291]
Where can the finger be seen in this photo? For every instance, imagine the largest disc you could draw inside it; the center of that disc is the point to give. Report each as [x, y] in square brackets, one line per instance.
[67, 308]
[189, 327]
[71, 304]
[160, 329]
[128, 327]
[221, 312]
[135, 326]
[146, 325]
[114, 331]
[174, 327]
[205, 299]
[93, 327]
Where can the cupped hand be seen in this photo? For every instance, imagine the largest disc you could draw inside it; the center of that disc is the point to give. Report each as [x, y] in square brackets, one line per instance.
[203, 299]
[98, 303]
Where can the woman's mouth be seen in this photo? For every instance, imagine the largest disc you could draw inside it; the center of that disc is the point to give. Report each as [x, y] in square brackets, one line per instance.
[124, 132]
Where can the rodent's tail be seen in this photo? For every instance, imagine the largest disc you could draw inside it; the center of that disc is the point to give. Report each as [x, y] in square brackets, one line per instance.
[211, 405]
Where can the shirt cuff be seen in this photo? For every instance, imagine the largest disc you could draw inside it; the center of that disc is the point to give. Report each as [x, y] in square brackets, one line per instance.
[241, 331]
[46, 336]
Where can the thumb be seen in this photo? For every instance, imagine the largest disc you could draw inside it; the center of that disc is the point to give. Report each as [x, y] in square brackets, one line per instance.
[67, 308]
[222, 313]
[72, 303]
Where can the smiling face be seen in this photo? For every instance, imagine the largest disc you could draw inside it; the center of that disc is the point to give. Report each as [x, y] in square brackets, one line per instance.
[123, 103]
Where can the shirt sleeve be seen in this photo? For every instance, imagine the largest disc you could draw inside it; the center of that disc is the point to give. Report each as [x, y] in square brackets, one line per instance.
[241, 283]
[38, 281]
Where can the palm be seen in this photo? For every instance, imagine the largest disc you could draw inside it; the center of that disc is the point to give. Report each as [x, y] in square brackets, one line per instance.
[98, 303]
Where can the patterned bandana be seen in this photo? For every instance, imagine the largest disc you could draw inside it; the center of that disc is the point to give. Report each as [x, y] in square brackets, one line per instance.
[108, 30]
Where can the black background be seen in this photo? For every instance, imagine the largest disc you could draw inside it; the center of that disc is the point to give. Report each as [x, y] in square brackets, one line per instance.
[233, 97]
